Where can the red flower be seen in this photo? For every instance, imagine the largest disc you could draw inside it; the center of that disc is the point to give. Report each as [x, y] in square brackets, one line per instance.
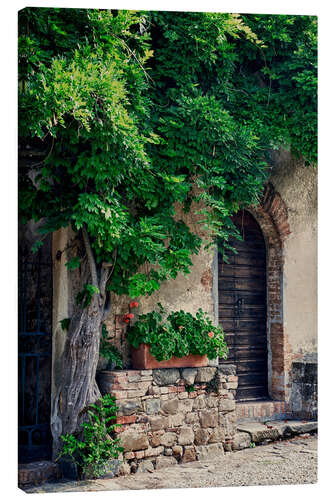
[134, 304]
[129, 316]
[126, 320]
[210, 334]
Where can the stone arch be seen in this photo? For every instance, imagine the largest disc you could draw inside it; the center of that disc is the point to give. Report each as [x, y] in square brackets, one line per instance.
[272, 216]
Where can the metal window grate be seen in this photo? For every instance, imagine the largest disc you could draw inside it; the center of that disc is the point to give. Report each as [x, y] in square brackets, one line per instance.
[34, 356]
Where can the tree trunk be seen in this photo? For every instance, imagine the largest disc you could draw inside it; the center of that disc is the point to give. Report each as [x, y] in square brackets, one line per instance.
[79, 363]
[78, 387]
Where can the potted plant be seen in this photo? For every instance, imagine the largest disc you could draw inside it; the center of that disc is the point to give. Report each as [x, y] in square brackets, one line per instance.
[177, 340]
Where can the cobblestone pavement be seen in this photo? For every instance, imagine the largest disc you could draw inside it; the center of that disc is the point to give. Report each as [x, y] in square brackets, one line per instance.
[283, 462]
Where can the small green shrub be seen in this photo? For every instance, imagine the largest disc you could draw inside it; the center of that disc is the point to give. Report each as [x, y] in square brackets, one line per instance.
[97, 447]
[179, 334]
[109, 351]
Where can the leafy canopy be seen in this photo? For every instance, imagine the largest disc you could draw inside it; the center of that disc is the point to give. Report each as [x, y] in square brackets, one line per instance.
[138, 113]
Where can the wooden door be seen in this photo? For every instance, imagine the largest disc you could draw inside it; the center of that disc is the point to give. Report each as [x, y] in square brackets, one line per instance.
[242, 308]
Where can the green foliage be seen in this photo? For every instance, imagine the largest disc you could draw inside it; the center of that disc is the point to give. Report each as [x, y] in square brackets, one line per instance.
[140, 112]
[74, 263]
[179, 334]
[65, 323]
[96, 448]
[109, 351]
[84, 297]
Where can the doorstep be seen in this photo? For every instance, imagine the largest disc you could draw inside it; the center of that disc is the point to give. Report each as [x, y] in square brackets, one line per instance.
[260, 411]
[37, 472]
[274, 430]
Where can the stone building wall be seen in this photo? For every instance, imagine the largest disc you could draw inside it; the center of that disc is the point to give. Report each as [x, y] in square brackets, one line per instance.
[172, 415]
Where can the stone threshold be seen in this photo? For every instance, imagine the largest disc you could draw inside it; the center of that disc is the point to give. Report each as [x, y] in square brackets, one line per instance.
[260, 411]
[37, 472]
[259, 432]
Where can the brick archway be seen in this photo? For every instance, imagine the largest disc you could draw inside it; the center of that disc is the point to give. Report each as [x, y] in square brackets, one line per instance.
[272, 216]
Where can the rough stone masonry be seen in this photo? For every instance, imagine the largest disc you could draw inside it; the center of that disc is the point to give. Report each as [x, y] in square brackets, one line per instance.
[172, 415]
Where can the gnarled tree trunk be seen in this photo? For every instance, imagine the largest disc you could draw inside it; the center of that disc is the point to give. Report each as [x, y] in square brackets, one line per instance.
[78, 388]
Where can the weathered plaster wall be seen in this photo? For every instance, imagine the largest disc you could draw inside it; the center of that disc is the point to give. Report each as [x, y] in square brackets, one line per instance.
[297, 185]
[188, 292]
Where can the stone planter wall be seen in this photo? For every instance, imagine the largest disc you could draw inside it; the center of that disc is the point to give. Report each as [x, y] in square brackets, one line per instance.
[172, 415]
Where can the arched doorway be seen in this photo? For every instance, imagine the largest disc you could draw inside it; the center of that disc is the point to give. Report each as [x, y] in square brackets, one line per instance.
[242, 308]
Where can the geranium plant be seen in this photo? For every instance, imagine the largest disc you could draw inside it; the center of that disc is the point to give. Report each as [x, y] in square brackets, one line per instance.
[178, 334]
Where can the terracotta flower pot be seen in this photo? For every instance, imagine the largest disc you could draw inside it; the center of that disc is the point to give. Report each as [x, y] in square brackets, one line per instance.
[143, 360]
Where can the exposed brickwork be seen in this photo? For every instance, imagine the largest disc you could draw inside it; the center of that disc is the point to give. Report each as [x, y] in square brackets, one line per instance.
[272, 216]
[260, 411]
[162, 416]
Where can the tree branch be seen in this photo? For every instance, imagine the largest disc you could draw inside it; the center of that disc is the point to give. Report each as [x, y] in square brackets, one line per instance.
[91, 259]
[107, 271]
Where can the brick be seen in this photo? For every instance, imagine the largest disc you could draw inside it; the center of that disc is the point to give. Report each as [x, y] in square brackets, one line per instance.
[154, 452]
[126, 419]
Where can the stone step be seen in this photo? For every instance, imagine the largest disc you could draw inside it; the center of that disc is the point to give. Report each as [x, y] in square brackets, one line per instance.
[276, 429]
[37, 472]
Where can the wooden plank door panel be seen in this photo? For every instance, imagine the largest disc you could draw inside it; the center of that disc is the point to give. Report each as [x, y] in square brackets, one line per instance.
[242, 308]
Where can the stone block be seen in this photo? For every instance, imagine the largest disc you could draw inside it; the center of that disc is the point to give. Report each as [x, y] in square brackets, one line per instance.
[183, 395]
[177, 451]
[186, 436]
[241, 440]
[199, 402]
[164, 462]
[175, 420]
[168, 452]
[201, 436]
[209, 451]
[157, 423]
[132, 441]
[217, 435]
[152, 406]
[205, 374]
[155, 439]
[168, 439]
[209, 418]
[166, 376]
[191, 418]
[145, 466]
[189, 374]
[170, 406]
[226, 405]
[154, 452]
[124, 469]
[189, 455]
[227, 369]
[186, 405]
